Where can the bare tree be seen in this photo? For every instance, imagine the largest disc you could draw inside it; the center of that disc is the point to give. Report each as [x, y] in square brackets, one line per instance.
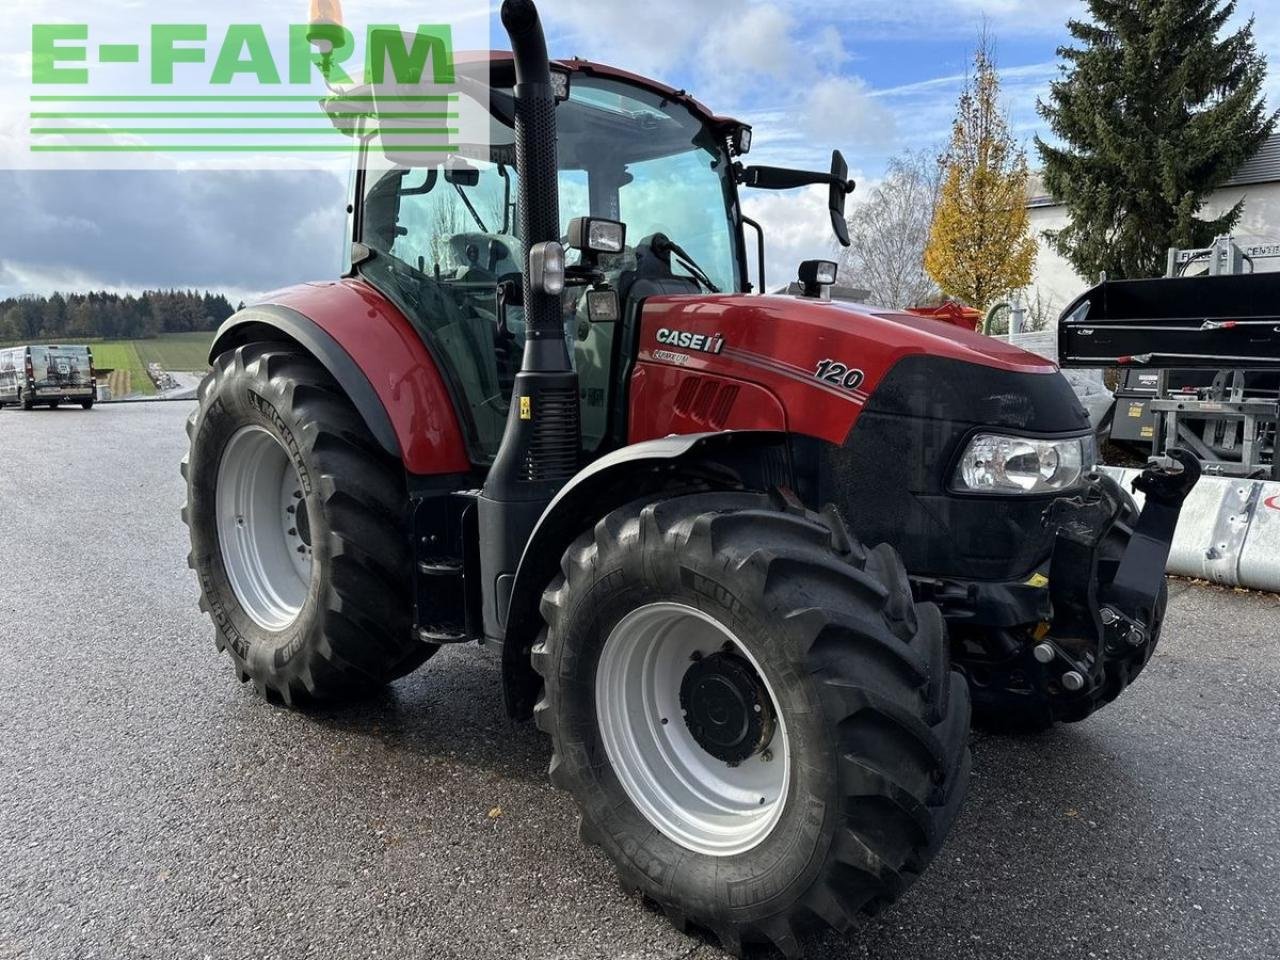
[890, 230]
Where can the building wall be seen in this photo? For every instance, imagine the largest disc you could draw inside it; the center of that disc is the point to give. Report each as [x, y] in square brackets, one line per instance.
[1057, 283]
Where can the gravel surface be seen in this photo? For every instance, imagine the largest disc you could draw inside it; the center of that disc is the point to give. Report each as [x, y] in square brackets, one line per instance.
[151, 806]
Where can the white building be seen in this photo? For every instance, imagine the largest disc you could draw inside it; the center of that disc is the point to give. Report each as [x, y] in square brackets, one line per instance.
[1056, 283]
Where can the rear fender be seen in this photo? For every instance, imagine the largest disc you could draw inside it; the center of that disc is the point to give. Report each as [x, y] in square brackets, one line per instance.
[377, 358]
[656, 469]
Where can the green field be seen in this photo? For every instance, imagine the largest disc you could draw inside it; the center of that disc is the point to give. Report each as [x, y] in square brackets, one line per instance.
[123, 355]
[175, 352]
[181, 352]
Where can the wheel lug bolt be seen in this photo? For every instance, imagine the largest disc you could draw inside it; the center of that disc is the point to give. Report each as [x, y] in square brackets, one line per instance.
[1072, 681]
[1043, 653]
[293, 531]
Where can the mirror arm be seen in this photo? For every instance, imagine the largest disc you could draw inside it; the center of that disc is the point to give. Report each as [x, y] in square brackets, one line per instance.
[782, 178]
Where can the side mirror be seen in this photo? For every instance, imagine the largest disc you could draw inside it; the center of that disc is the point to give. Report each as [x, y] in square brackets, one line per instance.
[841, 187]
[462, 174]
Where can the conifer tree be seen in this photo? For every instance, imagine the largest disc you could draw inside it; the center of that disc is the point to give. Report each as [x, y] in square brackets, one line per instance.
[1155, 109]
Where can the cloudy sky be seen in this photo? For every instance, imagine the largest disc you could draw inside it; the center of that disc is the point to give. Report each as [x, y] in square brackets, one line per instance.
[871, 77]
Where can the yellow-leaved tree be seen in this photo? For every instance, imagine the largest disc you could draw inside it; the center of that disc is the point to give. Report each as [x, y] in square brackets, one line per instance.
[980, 248]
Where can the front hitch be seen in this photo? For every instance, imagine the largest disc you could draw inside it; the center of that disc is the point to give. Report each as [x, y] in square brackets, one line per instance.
[1105, 609]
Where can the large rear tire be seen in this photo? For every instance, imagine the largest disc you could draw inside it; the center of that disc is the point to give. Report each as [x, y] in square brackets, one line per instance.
[298, 530]
[821, 756]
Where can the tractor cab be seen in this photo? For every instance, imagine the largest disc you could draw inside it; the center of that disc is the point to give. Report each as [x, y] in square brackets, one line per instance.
[440, 235]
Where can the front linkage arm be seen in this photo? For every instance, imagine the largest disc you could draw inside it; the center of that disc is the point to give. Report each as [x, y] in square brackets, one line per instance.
[1104, 609]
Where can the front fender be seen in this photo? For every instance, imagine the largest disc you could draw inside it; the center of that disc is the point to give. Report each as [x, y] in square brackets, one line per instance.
[731, 460]
[378, 359]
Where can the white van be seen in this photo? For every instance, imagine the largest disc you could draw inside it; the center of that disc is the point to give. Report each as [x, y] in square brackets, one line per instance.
[47, 375]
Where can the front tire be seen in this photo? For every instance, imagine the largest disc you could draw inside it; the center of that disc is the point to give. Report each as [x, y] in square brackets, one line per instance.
[297, 521]
[86, 404]
[830, 696]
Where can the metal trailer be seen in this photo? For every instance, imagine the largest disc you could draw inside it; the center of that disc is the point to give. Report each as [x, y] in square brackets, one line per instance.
[1224, 406]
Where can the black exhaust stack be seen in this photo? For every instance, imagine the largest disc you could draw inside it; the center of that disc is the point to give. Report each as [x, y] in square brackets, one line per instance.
[539, 451]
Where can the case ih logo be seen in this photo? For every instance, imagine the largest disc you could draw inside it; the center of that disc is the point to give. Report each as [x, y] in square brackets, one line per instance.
[702, 342]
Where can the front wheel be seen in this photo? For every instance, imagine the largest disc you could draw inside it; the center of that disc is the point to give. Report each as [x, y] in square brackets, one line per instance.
[87, 404]
[758, 725]
[297, 521]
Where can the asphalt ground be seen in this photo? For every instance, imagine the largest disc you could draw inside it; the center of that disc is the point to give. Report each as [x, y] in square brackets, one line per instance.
[151, 806]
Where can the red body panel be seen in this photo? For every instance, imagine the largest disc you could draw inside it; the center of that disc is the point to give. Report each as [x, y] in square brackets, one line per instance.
[779, 343]
[385, 346]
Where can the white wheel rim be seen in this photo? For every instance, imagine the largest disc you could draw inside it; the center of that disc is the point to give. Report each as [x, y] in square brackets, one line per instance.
[701, 802]
[263, 528]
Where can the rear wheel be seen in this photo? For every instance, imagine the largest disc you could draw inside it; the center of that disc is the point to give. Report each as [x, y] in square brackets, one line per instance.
[758, 725]
[87, 404]
[297, 522]
[27, 402]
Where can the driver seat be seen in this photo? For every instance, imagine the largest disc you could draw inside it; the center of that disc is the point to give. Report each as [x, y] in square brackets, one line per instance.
[652, 277]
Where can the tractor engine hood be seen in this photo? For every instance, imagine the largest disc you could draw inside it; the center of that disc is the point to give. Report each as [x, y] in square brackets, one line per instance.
[823, 361]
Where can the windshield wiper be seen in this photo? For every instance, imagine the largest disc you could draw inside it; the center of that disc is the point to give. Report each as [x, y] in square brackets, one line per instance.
[664, 245]
[471, 208]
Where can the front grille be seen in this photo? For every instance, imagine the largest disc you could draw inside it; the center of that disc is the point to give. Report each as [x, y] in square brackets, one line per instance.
[705, 401]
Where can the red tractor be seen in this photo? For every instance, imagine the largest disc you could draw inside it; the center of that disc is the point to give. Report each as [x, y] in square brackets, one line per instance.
[651, 488]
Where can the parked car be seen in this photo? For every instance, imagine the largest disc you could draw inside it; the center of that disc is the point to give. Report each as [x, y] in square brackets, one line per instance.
[47, 375]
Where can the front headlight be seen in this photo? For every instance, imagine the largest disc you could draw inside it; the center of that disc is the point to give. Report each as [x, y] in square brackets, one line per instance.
[997, 464]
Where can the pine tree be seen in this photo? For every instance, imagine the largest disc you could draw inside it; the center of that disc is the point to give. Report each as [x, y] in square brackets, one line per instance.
[1155, 112]
[980, 247]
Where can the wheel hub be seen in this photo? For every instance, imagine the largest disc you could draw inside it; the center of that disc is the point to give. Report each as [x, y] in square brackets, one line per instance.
[665, 661]
[726, 707]
[264, 529]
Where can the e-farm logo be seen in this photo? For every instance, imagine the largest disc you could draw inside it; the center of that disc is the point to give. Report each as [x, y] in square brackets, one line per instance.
[188, 86]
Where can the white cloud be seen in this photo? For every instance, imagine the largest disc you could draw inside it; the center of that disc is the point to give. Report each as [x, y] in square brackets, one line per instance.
[797, 226]
[757, 42]
[841, 110]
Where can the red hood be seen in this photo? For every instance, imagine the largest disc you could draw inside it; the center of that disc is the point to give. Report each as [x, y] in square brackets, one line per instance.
[785, 325]
[737, 362]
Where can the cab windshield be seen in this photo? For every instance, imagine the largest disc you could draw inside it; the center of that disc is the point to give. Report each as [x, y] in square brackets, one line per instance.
[445, 235]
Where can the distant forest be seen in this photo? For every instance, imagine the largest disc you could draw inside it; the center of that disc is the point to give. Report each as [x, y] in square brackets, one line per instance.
[109, 316]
